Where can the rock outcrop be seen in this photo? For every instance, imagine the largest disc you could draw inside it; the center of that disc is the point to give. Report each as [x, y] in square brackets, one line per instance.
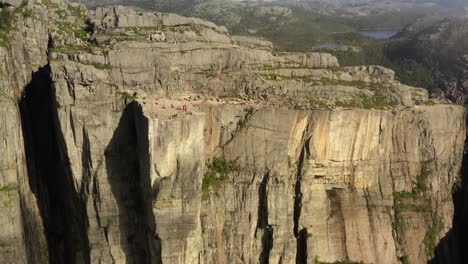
[22, 51]
[154, 138]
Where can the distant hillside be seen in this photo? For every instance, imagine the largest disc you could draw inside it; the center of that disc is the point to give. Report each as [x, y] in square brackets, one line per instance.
[430, 53]
[293, 26]
[342, 3]
[443, 49]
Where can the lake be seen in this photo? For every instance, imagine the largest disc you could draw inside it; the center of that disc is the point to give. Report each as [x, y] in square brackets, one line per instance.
[379, 34]
[373, 34]
[324, 46]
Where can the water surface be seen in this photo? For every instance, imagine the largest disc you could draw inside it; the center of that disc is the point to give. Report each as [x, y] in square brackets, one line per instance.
[379, 34]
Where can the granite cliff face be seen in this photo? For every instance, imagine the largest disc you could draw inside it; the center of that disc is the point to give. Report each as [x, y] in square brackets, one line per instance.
[279, 158]
[22, 234]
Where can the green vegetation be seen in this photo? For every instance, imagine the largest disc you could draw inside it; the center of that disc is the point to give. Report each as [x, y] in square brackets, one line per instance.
[128, 97]
[26, 12]
[308, 79]
[397, 224]
[419, 185]
[6, 25]
[404, 260]
[356, 84]
[417, 59]
[67, 28]
[380, 101]
[80, 29]
[430, 239]
[427, 103]
[99, 66]
[406, 202]
[4, 244]
[408, 71]
[217, 172]
[11, 98]
[319, 104]
[410, 207]
[7, 204]
[404, 195]
[291, 27]
[363, 101]
[248, 114]
[317, 261]
[77, 10]
[7, 188]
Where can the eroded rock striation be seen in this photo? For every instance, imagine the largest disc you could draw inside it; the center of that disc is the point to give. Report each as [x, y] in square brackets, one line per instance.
[153, 138]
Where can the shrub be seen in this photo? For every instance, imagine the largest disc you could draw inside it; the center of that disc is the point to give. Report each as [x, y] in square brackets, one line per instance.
[317, 261]
[7, 188]
[404, 260]
[430, 239]
[217, 172]
[403, 195]
[6, 25]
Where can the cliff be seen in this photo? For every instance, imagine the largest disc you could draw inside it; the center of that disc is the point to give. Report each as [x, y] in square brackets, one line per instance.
[22, 234]
[279, 158]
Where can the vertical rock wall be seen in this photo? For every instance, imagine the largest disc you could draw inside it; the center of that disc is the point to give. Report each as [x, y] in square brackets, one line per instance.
[22, 238]
[174, 163]
[359, 185]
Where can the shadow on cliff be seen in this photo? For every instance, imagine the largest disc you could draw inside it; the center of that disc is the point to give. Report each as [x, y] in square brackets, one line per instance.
[453, 247]
[62, 209]
[128, 173]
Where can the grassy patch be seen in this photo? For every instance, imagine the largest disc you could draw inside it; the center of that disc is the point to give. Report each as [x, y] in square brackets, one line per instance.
[397, 225]
[4, 244]
[98, 66]
[430, 239]
[404, 195]
[6, 25]
[319, 104]
[405, 202]
[355, 84]
[317, 261]
[419, 185]
[379, 101]
[427, 103]
[217, 172]
[367, 102]
[410, 207]
[79, 31]
[127, 97]
[7, 188]
[404, 260]
[307, 79]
